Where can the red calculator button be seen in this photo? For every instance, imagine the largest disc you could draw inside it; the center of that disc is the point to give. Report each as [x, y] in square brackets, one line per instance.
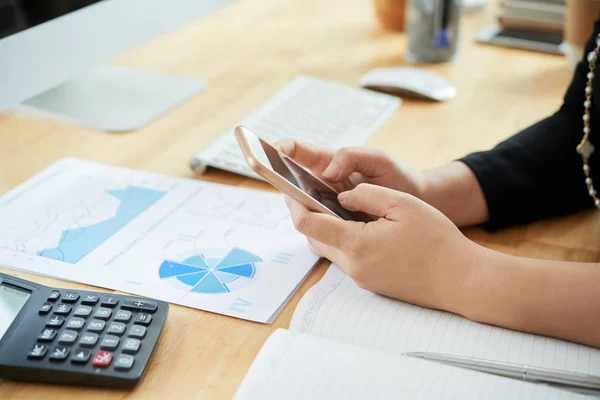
[102, 359]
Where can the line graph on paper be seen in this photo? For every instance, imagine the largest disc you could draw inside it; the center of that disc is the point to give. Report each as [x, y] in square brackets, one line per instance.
[77, 217]
[225, 204]
[264, 216]
[222, 206]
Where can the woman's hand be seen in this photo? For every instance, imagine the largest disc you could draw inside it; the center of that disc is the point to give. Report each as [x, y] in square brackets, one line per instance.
[346, 168]
[411, 252]
[452, 188]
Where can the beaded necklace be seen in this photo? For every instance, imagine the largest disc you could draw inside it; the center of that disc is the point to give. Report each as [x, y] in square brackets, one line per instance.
[585, 147]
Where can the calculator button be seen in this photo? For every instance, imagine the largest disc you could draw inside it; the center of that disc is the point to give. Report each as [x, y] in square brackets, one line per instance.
[139, 305]
[67, 337]
[70, 297]
[76, 323]
[109, 302]
[89, 299]
[143, 319]
[88, 339]
[131, 346]
[56, 321]
[47, 335]
[124, 362]
[63, 309]
[45, 308]
[59, 353]
[137, 331]
[103, 313]
[38, 351]
[109, 342]
[122, 316]
[117, 328]
[83, 311]
[96, 325]
[54, 295]
[81, 356]
[102, 359]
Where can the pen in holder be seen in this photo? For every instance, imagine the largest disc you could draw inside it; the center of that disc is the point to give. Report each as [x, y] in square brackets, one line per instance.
[433, 29]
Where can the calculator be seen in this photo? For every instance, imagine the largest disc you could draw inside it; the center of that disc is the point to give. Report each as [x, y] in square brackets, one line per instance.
[75, 336]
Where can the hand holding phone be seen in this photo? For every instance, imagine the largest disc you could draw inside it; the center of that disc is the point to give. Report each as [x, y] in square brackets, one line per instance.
[291, 178]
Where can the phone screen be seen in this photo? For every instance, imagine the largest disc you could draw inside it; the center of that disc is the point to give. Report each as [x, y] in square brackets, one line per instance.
[308, 183]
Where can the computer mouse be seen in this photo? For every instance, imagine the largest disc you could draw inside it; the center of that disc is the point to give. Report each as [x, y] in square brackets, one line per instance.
[409, 82]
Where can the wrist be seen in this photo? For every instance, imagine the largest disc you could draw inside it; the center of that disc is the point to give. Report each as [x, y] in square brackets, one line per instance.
[454, 190]
[436, 183]
[494, 283]
[458, 284]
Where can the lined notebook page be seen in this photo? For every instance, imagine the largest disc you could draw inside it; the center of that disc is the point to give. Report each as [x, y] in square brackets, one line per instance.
[336, 308]
[297, 366]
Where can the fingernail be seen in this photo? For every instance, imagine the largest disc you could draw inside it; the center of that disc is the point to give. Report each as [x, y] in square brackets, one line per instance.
[343, 197]
[331, 171]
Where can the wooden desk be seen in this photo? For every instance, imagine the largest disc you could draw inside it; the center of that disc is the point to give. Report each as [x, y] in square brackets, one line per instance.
[246, 52]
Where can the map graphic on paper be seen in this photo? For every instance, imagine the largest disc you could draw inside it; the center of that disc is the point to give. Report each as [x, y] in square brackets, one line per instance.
[79, 242]
[218, 248]
[211, 272]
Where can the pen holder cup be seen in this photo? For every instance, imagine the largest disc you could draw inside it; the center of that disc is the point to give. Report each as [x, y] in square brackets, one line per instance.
[433, 30]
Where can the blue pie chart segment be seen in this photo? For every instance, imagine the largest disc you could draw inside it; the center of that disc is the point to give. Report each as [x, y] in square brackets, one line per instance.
[246, 270]
[172, 268]
[210, 284]
[192, 279]
[210, 274]
[237, 257]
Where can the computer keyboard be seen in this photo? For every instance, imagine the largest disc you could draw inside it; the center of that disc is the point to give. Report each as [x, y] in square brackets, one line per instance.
[312, 110]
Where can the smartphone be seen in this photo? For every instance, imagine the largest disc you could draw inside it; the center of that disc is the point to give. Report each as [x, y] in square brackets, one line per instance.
[291, 178]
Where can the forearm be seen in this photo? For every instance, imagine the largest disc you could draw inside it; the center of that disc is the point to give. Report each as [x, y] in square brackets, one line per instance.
[534, 174]
[453, 189]
[552, 298]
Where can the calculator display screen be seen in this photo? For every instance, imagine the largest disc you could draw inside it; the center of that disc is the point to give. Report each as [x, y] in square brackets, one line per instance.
[11, 302]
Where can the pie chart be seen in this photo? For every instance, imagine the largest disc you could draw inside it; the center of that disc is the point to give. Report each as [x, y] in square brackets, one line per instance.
[212, 271]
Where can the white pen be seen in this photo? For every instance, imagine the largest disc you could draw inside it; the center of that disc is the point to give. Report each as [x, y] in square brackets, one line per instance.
[525, 372]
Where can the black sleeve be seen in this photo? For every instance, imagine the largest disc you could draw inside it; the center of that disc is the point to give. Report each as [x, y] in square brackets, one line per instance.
[537, 173]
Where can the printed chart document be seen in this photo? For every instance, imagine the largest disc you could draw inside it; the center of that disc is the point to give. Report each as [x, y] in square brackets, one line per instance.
[219, 248]
[343, 339]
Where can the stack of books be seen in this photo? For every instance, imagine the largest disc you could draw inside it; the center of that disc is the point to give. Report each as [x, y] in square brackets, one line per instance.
[536, 25]
[533, 15]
